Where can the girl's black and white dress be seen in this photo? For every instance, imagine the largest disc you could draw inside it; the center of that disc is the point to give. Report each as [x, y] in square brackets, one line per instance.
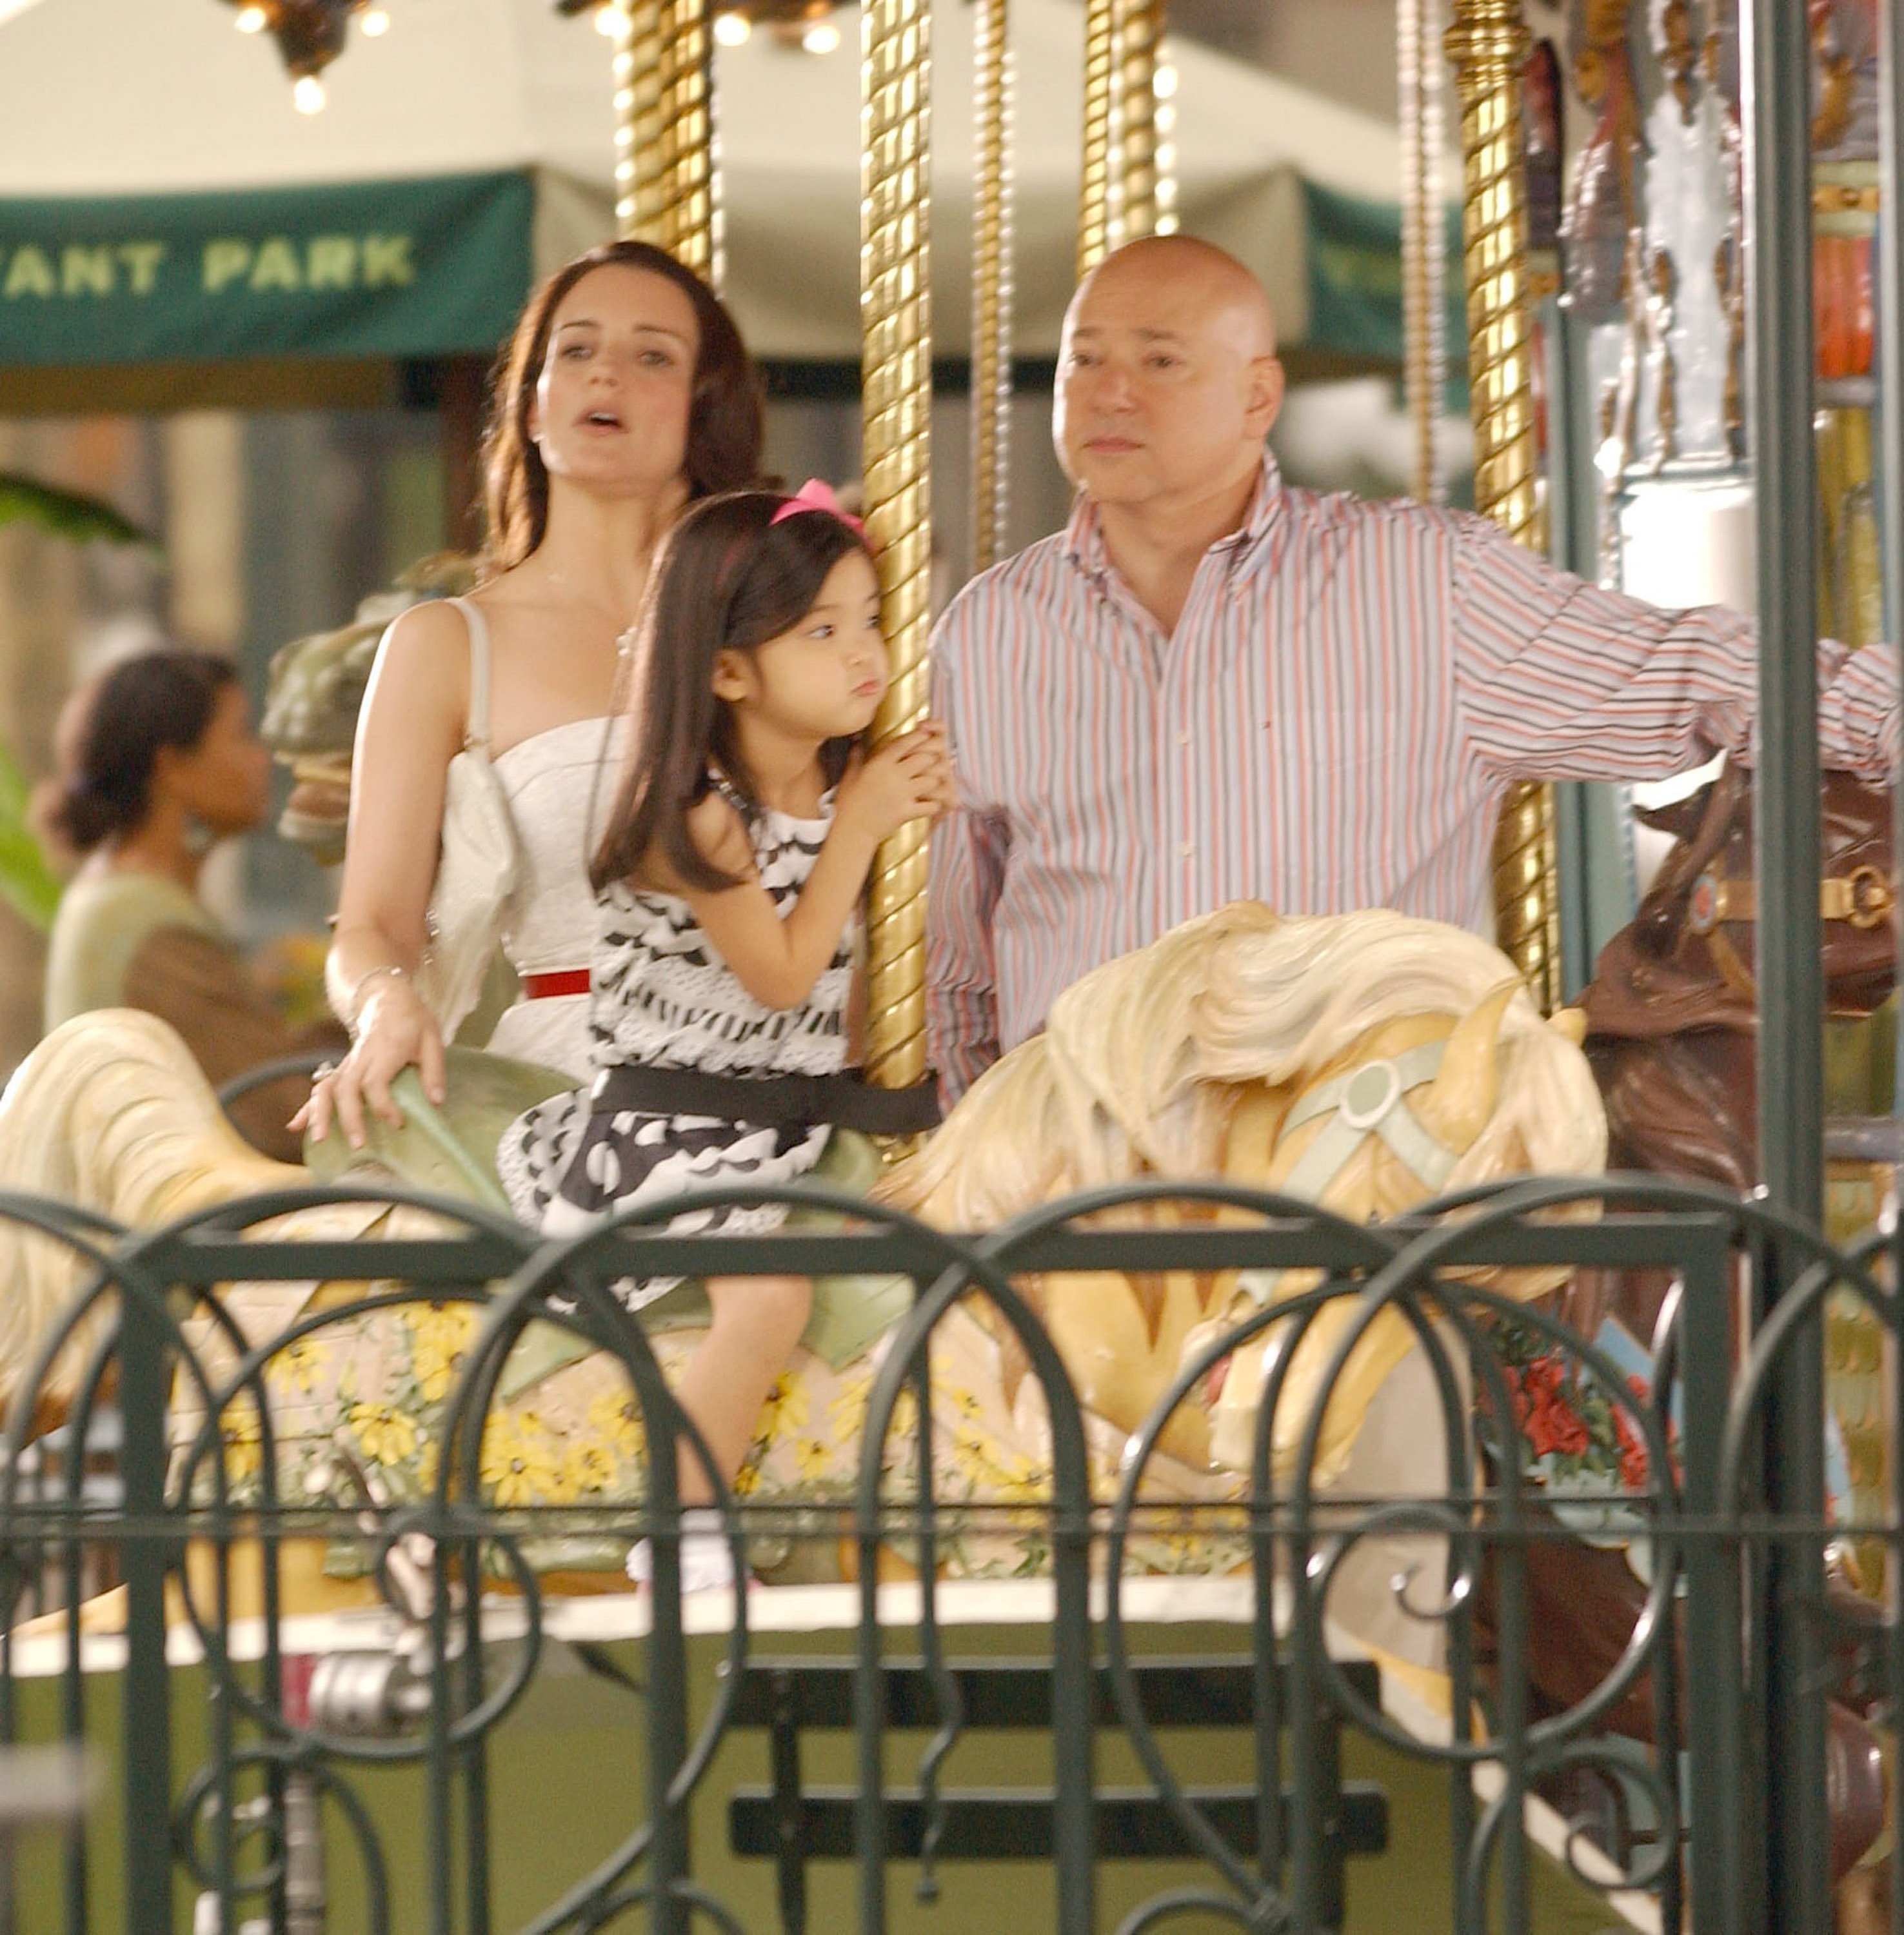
[662, 997]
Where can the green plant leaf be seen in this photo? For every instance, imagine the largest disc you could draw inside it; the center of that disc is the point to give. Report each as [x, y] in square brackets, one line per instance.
[65, 513]
[28, 884]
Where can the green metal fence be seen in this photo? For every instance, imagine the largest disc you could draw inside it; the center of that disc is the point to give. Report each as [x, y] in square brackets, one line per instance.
[1672, 1810]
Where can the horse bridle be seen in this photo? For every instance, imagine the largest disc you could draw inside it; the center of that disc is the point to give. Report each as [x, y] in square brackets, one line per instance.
[1863, 898]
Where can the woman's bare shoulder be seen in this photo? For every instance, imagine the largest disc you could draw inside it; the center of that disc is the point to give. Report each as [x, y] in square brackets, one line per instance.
[434, 631]
[422, 674]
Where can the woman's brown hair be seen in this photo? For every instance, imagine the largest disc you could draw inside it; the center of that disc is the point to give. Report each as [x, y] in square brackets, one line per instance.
[724, 426]
[727, 578]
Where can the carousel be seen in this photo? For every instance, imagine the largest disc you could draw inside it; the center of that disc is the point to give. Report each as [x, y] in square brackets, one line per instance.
[1330, 1435]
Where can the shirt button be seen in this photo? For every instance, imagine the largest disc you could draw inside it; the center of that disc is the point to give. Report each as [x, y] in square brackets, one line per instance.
[1183, 738]
[1187, 849]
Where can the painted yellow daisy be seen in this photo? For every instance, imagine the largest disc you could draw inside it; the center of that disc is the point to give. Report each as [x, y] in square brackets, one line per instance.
[440, 1333]
[386, 1435]
[243, 1451]
[519, 1459]
[613, 1421]
[587, 1465]
[301, 1366]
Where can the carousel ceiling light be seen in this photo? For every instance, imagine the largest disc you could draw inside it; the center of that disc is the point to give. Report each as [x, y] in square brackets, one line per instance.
[310, 34]
[823, 38]
[732, 29]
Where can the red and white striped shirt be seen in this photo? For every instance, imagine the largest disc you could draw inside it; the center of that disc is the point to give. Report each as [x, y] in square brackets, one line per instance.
[1351, 688]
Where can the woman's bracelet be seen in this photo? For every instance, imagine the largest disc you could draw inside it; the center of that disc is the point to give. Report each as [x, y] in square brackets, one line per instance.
[355, 1001]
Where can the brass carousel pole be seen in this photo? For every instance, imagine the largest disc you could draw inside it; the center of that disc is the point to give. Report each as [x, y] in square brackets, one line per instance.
[640, 214]
[667, 185]
[689, 188]
[1139, 38]
[991, 286]
[1488, 43]
[1423, 268]
[895, 298]
[1097, 212]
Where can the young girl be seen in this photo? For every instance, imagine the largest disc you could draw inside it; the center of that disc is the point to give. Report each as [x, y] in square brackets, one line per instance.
[729, 880]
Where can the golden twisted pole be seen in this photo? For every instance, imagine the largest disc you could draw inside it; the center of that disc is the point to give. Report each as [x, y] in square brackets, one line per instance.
[640, 214]
[1096, 215]
[991, 285]
[1488, 44]
[895, 299]
[1418, 58]
[1139, 39]
[689, 188]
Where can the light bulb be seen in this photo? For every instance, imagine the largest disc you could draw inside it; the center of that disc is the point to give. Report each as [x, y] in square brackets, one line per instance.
[609, 21]
[821, 39]
[1164, 84]
[375, 24]
[1166, 157]
[732, 30]
[252, 20]
[308, 96]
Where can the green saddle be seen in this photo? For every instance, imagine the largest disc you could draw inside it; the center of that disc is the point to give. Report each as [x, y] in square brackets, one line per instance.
[450, 1151]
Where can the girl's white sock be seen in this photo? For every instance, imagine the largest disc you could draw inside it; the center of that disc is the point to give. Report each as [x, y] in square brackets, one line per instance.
[707, 1558]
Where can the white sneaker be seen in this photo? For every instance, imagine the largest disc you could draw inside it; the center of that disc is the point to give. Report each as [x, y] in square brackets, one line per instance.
[706, 1557]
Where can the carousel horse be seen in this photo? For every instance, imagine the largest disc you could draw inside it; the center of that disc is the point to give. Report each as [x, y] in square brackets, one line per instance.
[1673, 1036]
[1238, 1046]
[1365, 1062]
[1672, 1010]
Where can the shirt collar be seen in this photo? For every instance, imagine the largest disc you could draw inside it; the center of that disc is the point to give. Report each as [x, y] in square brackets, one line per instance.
[1247, 547]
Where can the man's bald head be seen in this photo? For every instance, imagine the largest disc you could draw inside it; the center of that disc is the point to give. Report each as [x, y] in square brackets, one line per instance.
[1221, 286]
[1168, 381]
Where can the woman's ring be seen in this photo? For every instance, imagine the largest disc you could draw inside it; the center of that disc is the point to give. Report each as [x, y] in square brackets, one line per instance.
[323, 1072]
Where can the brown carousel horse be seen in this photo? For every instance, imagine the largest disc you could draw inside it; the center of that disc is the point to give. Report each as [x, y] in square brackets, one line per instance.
[1672, 1010]
[1672, 1035]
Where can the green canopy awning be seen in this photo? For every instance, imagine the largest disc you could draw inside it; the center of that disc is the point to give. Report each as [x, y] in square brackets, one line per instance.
[1354, 260]
[425, 266]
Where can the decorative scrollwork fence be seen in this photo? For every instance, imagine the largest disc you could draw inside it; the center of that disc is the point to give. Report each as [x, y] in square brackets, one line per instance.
[1738, 1655]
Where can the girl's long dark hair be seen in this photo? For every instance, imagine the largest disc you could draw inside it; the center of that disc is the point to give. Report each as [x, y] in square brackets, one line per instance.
[724, 425]
[727, 578]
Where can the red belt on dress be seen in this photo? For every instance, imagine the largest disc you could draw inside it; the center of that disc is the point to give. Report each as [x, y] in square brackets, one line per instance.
[562, 981]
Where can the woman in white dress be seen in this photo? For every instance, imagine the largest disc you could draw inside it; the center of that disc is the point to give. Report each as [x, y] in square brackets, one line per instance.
[626, 393]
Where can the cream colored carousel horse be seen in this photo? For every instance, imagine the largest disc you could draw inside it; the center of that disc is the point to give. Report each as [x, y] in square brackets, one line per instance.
[1367, 1061]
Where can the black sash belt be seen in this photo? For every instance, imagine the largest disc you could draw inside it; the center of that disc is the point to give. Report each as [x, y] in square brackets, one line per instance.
[772, 1101]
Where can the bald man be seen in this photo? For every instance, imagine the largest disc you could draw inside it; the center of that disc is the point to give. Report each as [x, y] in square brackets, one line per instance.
[1212, 686]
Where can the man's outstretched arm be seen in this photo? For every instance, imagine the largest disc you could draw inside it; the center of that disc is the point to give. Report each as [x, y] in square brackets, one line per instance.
[1558, 679]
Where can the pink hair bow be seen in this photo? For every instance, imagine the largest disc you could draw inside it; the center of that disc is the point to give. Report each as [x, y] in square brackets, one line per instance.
[816, 495]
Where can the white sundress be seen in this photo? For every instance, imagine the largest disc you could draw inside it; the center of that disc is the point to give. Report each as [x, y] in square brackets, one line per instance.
[662, 997]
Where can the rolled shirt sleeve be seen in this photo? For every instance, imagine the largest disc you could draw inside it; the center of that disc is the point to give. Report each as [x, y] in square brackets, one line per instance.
[1558, 679]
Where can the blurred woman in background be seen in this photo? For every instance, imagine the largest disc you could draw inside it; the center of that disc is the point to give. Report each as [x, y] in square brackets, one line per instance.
[157, 763]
